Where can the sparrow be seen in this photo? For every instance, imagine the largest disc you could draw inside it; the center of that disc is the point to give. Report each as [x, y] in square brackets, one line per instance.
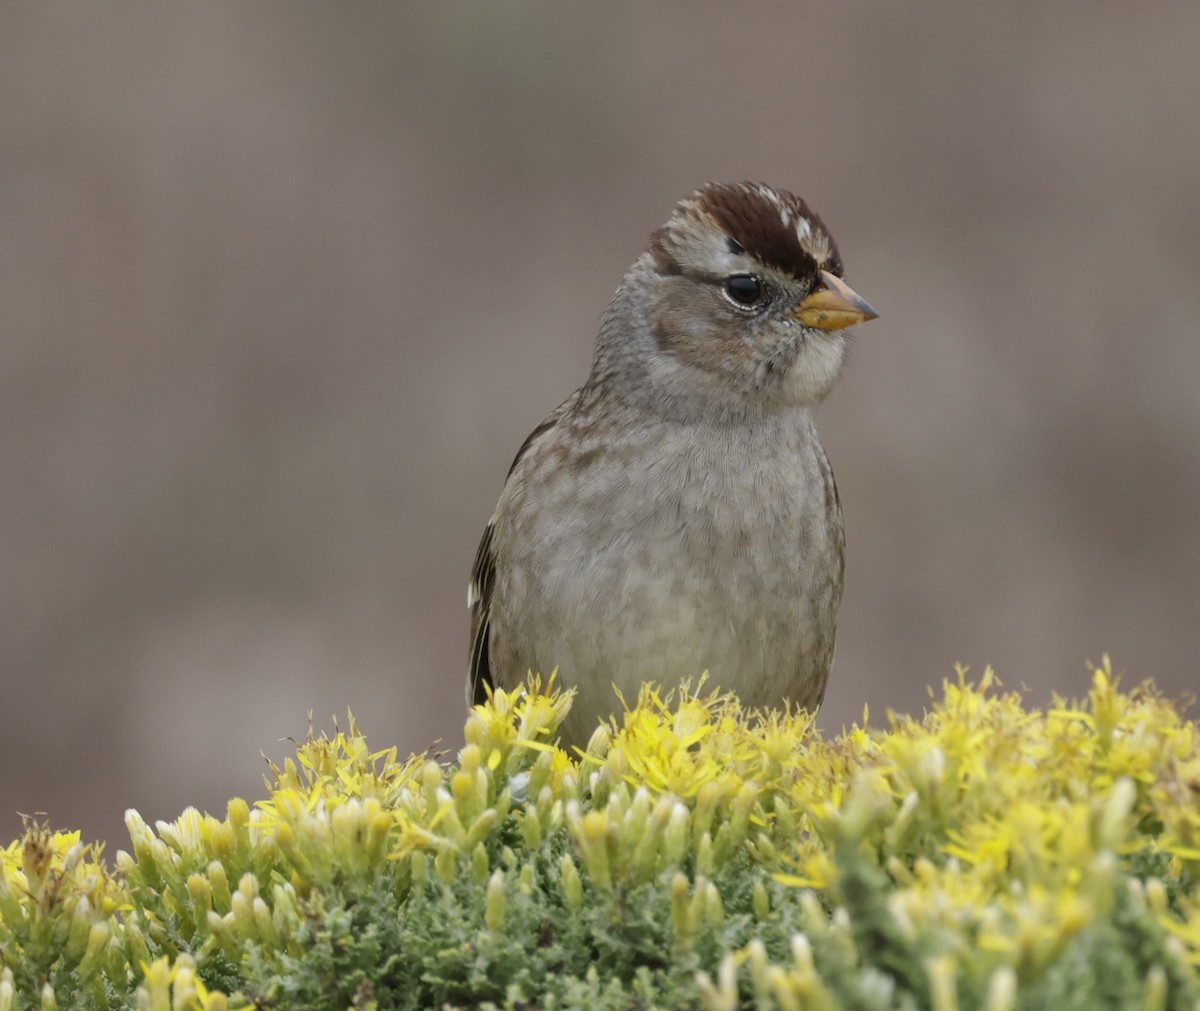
[677, 514]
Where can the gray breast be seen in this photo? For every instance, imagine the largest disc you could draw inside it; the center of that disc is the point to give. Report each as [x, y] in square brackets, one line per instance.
[706, 548]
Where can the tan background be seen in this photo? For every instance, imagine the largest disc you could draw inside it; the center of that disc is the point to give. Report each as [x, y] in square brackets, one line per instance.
[283, 287]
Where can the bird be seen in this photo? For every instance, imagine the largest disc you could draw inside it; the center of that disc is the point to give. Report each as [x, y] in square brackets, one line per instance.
[677, 516]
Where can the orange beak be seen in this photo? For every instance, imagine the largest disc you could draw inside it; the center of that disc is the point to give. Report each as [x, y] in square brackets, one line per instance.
[833, 305]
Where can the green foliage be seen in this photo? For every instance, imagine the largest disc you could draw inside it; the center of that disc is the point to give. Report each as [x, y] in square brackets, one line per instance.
[694, 856]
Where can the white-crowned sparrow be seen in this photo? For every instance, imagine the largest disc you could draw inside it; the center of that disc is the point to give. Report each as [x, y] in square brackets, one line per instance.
[677, 514]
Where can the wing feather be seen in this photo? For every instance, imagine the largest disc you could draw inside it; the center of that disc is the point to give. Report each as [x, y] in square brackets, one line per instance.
[479, 599]
[483, 579]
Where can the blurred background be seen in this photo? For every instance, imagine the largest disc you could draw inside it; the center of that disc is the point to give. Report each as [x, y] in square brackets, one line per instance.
[283, 286]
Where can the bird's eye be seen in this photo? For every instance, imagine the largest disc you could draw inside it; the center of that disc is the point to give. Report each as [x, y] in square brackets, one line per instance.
[744, 289]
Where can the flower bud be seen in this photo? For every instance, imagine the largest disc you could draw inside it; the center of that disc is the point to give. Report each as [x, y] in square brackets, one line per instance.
[531, 830]
[572, 884]
[714, 909]
[802, 954]
[481, 828]
[680, 921]
[756, 955]
[237, 812]
[264, 923]
[77, 931]
[469, 759]
[444, 865]
[431, 781]
[493, 905]
[98, 938]
[219, 883]
[943, 988]
[139, 951]
[707, 798]
[200, 892]
[1154, 994]
[760, 901]
[242, 910]
[676, 837]
[600, 741]
[1002, 990]
[479, 864]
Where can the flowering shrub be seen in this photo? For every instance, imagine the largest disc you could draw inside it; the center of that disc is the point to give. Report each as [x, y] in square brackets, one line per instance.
[694, 856]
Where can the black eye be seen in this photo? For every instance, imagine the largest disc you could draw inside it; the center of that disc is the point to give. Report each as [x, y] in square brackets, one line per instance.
[744, 289]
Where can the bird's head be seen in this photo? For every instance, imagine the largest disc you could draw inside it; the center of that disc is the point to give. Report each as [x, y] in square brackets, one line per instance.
[738, 304]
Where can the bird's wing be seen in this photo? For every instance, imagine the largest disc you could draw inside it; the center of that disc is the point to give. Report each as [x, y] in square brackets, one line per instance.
[835, 504]
[479, 600]
[483, 575]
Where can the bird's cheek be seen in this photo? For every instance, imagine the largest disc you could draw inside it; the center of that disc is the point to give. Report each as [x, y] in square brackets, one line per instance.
[692, 341]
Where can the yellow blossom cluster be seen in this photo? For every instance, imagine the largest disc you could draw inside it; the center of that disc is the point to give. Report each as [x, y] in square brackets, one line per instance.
[983, 840]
